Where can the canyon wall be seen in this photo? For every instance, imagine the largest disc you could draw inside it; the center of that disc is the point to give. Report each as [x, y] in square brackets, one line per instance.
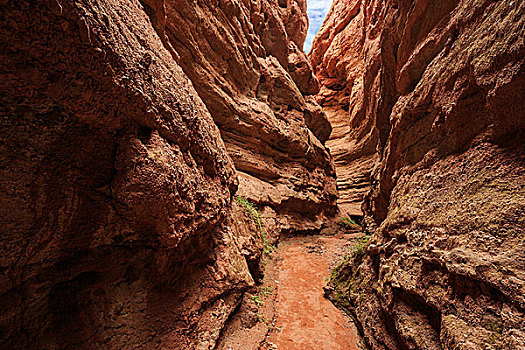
[437, 90]
[246, 63]
[338, 57]
[128, 128]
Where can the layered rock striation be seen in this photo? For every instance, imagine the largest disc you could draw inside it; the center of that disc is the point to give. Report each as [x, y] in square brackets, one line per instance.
[438, 89]
[339, 58]
[128, 127]
[247, 64]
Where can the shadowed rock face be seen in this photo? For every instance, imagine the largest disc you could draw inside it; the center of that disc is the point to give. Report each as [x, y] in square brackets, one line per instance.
[118, 225]
[438, 88]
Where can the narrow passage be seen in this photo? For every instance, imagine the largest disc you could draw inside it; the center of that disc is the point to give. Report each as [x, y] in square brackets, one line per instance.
[304, 318]
[288, 310]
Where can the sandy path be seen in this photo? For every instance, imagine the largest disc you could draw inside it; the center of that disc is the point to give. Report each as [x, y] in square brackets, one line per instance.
[305, 319]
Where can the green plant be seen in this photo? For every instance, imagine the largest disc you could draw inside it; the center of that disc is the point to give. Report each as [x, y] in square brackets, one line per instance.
[254, 214]
[346, 279]
[493, 326]
[497, 330]
[266, 322]
[257, 300]
[356, 253]
[267, 291]
[352, 260]
[347, 222]
[360, 247]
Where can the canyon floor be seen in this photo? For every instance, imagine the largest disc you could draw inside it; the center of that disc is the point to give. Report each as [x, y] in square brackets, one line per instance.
[288, 310]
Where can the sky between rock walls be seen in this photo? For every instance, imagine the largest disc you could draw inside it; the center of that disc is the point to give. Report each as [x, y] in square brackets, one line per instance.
[317, 10]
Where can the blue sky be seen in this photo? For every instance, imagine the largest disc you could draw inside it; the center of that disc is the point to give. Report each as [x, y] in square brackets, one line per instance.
[317, 10]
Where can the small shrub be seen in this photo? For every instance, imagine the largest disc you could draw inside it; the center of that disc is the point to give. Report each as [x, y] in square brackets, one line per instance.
[267, 291]
[493, 326]
[357, 253]
[360, 247]
[497, 331]
[347, 222]
[267, 323]
[257, 300]
[254, 214]
[353, 260]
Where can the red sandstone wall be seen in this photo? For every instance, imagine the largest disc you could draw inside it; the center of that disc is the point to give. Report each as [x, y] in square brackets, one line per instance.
[438, 89]
[119, 228]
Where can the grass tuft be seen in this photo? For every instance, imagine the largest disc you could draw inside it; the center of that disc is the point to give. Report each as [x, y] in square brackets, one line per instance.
[347, 222]
[254, 214]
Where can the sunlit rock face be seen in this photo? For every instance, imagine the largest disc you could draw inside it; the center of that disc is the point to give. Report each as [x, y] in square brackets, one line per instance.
[127, 129]
[433, 93]
[338, 59]
[246, 63]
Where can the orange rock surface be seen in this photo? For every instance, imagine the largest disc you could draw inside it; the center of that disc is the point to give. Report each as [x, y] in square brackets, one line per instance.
[435, 93]
[245, 62]
[338, 57]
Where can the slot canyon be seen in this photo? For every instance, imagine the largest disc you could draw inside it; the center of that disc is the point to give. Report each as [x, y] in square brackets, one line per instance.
[180, 174]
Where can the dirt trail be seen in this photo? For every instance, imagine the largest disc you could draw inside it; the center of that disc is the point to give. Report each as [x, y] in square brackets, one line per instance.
[288, 310]
[305, 319]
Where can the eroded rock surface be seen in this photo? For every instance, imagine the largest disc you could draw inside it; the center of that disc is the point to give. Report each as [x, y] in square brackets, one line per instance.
[245, 61]
[438, 88]
[339, 58]
[119, 228]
